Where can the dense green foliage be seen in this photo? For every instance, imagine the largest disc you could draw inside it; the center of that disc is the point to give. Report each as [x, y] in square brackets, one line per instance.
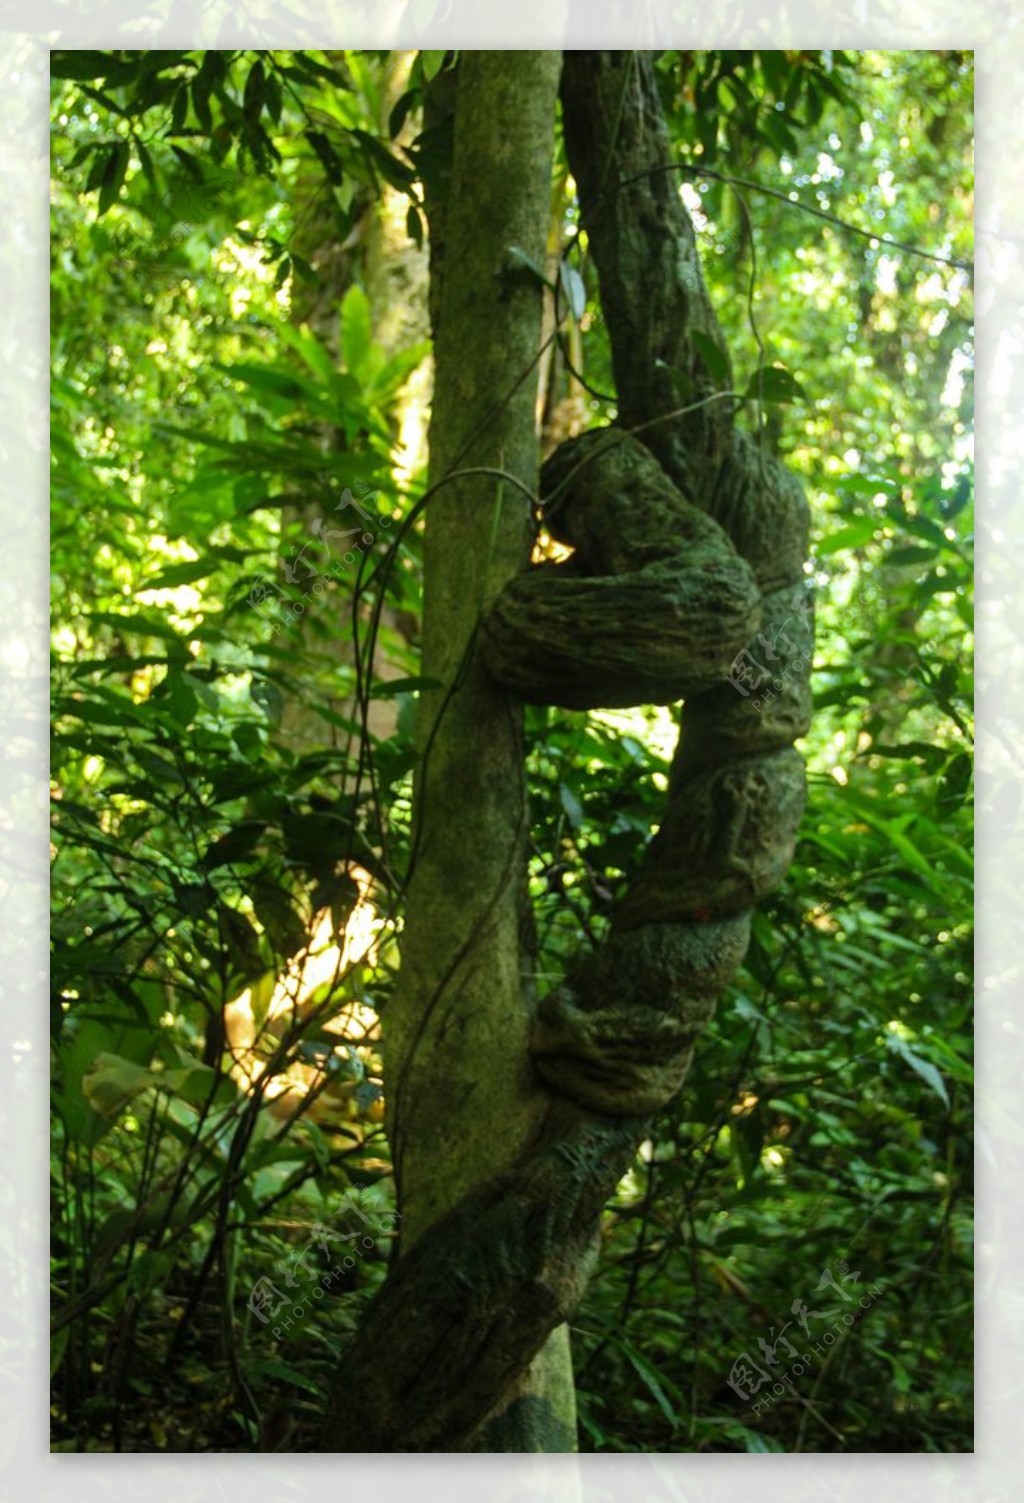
[232, 763]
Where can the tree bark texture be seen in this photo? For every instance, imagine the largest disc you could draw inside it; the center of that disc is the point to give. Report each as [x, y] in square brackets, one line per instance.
[462, 1094]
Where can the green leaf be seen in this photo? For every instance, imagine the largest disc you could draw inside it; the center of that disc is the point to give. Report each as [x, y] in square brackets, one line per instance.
[923, 1067]
[777, 71]
[399, 174]
[325, 71]
[911, 555]
[307, 347]
[431, 63]
[305, 270]
[317, 841]
[202, 87]
[273, 97]
[856, 535]
[711, 353]
[651, 1381]
[590, 1425]
[137, 622]
[189, 570]
[757, 1444]
[93, 713]
[101, 157]
[400, 110]
[240, 942]
[196, 1083]
[273, 907]
[190, 163]
[572, 806]
[252, 99]
[574, 288]
[955, 780]
[273, 1368]
[279, 383]
[113, 175]
[248, 740]
[150, 1269]
[339, 893]
[327, 157]
[773, 383]
[890, 830]
[112, 1082]
[355, 329]
[182, 696]
[58, 1346]
[519, 258]
[746, 1134]
[81, 65]
[390, 687]
[922, 527]
[923, 751]
[236, 845]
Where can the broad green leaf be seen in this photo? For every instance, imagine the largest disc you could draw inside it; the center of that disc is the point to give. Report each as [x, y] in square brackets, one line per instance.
[432, 63]
[394, 171]
[712, 354]
[572, 806]
[112, 1082]
[308, 348]
[773, 383]
[253, 96]
[355, 329]
[113, 175]
[182, 696]
[910, 555]
[855, 535]
[400, 110]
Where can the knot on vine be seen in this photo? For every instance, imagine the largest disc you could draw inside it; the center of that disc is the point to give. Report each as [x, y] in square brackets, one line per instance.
[652, 606]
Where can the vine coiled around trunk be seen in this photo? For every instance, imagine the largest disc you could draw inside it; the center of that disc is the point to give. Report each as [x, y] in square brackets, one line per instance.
[661, 600]
[686, 582]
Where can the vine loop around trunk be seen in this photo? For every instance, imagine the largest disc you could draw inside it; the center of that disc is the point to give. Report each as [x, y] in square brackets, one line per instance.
[686, 582]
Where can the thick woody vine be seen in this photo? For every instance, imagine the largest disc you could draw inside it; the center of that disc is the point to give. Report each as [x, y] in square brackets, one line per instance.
[686, 582]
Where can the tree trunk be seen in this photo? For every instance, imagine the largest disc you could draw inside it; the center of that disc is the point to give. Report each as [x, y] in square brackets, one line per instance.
[462, 1096]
